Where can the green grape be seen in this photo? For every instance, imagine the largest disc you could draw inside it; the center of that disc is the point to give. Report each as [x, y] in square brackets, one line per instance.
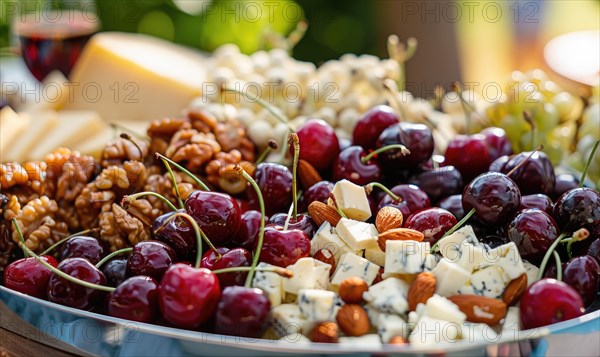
[536, 76]
[554, 151]
[569, 106]
[545, 117]
[514, 127]
[496, 112]
[549, 89]
[595, 98]
[590, 122]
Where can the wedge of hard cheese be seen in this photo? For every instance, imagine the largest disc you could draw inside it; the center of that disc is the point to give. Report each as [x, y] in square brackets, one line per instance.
[12, 127]
[41, 125]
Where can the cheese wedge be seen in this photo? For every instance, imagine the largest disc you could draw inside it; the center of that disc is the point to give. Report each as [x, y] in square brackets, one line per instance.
[12, 125]
[95, 144]
[41, 124]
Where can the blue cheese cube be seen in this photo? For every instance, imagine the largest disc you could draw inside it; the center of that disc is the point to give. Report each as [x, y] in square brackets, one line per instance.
[286, 319]
[449, 277]
[441, 308]
[531, 271]
[450, 246]
[364, 341]
[391, 325]
[309, 273]
[489, 282]
[406, 257]
[352, 265]
[317, 305]
[388, 296]
[510, 260]
[270, 283]
[327, 237]
[473, 257]
[352, 200]
[357, 235]
[375, 255]
[478, 332]
[429, 331]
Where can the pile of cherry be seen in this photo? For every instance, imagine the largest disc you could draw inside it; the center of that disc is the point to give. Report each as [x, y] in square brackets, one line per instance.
[169, 281]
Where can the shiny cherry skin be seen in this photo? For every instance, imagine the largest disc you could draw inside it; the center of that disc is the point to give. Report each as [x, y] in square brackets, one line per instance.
[243, 312]
[535, 176]
[136, 299]
[413, 199]
[348, 165]
[371, 124]
[318, 192]
[275, 183]
[319, 145]
[583, 274]
[188, 296]
[417, 138]
[217, 214]
[151, 258]
[494, 196]
[498, 164]
[115, 271]
[432, 222]
[497, 142]
[469, 154]
[177, 234]
[548, 301]
[539, 201]
[83, 247]
[284, 247]
[302, 223]
[28, 276]
[230, 258]
[578, 208]
[594, 249]
[71, 294]
[439, 183]
[564, 183]
[249, 229]
[453, 204]
[533, 231]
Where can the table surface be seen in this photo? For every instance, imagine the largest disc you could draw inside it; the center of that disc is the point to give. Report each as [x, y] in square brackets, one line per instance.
[12, 344]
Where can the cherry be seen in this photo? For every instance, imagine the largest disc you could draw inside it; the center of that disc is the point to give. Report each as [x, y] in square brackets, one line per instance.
[578, 208]
[177, 234]
[413, 199]
[28, 276]
[497, 142]
[318, 192]
[151, 258]
[135, 299]
[539, 201]
[115, 271]
[236, 257]
[217, 214]
[498, 164]
[83, 247]
[243, 204]
[74, 295]
[243, 312]
[494, 196]
[302, 223]
[283, 248]
[439, 183]
[469, 154]
[534, 176]
[417, 138]
[564, 183]
[533, 231]
[594, 249]
[249, 229]
[350, 166]
[548, 301]
[275, 183]
[453, 204]
[583, 274]
[319, 145]
[371, 124]
[188, 296]
[432, 222]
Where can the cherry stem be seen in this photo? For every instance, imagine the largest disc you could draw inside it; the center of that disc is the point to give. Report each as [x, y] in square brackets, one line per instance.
[370, 155]
[278, 270]
[22, 240]
[112, 255]
[199, 236]
[539, 148]
[289, 216]
[295, 141]
[558, 265]
[588, 163]
[261, 234]
[272, 145]
[548, 254]
[268, 106]
[175, 185]
[184, 170]
[369, 188]
[332, 196]
[116, 126]
[55, 245]
[130, 198]
[455, 228]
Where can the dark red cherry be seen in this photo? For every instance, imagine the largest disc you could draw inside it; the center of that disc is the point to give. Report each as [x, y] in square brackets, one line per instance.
[533, 231]
[243, 312]
[348, 165]
[135, 299]
[564, 183]
[71, 294]
[249, 229]
[319, 144]
[83, 247]
[494, 196]
[594, 249]
[177, 234]
[151, 258]
[453, 204]
[188, 296]
[230, 258]
[275, 183]
[583, 274]
[28, 276]
[115, 271]
[302, 223]
[432, 222]
[497, 142]
[578, 208]
[469, 154]
[284, 248]
[413, 199]
[539, 201]
[217, 214]
[498, 164]
[243, 204]
[417, 138]
[534, 176]
[439, 183]
[318, 192]
[548, 301]
[371, 124]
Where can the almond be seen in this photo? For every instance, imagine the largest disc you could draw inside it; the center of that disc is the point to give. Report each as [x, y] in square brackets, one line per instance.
[388, 218]
[397, 340]
[320, 212]
[351, 290]
[514, 290]
[420, 290]
[324, 332]
[481, 309]
[353, 320]
[398, 234]
[327, 257]
[307, 174]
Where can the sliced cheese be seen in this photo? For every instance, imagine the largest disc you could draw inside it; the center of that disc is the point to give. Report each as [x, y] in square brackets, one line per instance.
[95, 145]
[42, 123]
[12, 125]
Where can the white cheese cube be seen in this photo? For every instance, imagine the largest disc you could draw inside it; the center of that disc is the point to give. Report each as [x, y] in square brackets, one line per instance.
[352, 200]
[450, 246]
[358, 235]
[429, 331]
[309, 273]
[270, 283]
[431, 261]
[286, 319]
[326, 237]
[441, 308]
[511, 324]
[531, 271]
[351, 265]
[449, 277]
[375, 255]
[478, 332]
[373, 313]
[391, 325]
[473, 257]
[364, 341]
[406, 257]
[510, 260]
[388, 296]
[317, 305]
[489, 282]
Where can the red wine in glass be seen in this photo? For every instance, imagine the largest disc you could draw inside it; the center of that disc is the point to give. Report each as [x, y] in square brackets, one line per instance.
[53, 40]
